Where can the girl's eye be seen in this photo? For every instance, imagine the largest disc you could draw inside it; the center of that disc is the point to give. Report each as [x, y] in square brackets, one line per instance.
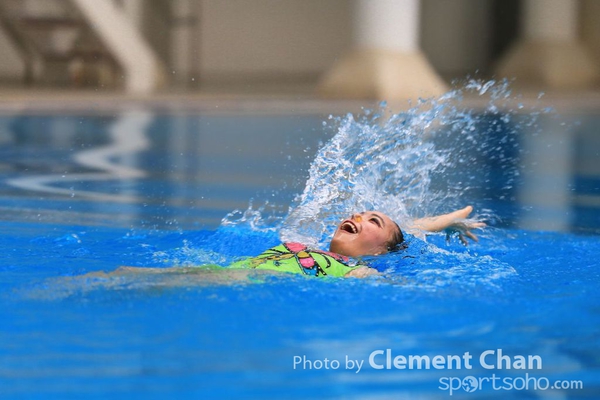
[376, 222]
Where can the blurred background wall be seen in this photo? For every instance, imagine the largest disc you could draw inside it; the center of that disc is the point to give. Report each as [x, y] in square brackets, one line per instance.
[228, 44]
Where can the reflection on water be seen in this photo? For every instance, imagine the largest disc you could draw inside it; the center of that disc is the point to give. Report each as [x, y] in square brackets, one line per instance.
[560, 188]
[151, 170]
[127, 137]
[184, 170]
[547, 174]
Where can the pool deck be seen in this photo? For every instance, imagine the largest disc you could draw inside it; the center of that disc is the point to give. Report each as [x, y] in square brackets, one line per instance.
[301, 100]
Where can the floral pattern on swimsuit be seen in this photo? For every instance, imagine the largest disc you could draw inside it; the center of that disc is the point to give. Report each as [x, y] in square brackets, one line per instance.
[298, 258]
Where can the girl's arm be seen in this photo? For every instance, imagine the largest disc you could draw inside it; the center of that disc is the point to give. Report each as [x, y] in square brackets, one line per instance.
[362, 272]
[454, 221]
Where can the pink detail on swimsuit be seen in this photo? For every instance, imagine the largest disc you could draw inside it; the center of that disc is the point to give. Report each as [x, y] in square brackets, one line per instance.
[304, 257]
[295, 247]
[337, 256]
[308, 262]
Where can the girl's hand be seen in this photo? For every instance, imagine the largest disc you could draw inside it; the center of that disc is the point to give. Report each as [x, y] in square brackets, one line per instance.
[458, 222]
[455, 221]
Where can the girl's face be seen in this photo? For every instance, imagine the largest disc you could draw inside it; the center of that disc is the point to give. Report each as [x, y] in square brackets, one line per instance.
[367, 233]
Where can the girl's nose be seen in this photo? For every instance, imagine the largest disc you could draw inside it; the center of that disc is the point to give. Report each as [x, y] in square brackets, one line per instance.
[357, 218]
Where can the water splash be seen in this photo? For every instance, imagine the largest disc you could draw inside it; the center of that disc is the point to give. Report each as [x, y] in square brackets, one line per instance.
[419, 162]
[263, 219]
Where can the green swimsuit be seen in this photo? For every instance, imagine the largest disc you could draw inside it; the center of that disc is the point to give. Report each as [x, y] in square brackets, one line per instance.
[299, 259]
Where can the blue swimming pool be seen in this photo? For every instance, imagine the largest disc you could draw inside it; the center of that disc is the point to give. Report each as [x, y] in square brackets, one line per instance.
[81, 193]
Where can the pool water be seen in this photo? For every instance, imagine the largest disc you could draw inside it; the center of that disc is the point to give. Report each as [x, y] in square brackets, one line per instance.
[82, 194]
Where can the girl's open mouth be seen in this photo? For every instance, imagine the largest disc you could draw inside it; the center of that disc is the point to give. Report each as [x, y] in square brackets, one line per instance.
[349, 226]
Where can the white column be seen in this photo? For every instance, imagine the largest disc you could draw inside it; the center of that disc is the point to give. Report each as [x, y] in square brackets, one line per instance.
[550, 52]
[143, 70]
[386, 62]
[387, 24]
[134, 11]
[550, 19]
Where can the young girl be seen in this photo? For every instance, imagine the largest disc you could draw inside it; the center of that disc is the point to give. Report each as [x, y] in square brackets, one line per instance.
[369, 233]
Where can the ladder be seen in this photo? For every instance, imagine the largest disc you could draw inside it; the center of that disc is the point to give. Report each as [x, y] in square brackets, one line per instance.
[80, 43]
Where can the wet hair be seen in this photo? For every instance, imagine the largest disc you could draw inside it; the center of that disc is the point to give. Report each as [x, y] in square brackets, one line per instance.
[395, 243]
